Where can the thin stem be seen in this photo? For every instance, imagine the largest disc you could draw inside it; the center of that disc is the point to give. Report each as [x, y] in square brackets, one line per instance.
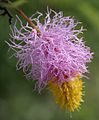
[26, 18]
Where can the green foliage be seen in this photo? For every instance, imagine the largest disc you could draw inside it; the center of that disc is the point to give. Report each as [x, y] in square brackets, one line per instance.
[13, 4]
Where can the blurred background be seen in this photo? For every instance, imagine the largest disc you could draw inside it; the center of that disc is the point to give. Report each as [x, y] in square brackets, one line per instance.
[18, 101]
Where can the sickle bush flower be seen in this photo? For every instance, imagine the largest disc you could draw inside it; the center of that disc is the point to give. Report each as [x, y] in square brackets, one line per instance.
[56, 56]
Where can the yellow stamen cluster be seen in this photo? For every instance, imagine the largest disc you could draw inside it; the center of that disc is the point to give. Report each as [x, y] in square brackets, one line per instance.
[69, 94]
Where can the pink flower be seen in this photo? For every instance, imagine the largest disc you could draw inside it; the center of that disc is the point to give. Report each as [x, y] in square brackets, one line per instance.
[56, 52]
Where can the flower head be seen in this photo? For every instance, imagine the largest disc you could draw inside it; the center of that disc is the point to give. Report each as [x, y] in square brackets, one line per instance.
[56, 52]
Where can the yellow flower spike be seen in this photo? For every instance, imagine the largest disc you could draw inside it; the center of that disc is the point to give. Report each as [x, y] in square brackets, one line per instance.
[69, 94]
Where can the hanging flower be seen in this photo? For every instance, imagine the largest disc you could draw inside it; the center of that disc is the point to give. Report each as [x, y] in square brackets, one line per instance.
[56, 56]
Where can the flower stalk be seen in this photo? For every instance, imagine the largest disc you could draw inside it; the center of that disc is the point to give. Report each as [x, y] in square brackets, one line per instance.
[27, 19]
[21, 13]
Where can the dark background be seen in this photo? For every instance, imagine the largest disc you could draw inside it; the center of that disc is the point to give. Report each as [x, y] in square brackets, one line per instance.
[17, 99]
